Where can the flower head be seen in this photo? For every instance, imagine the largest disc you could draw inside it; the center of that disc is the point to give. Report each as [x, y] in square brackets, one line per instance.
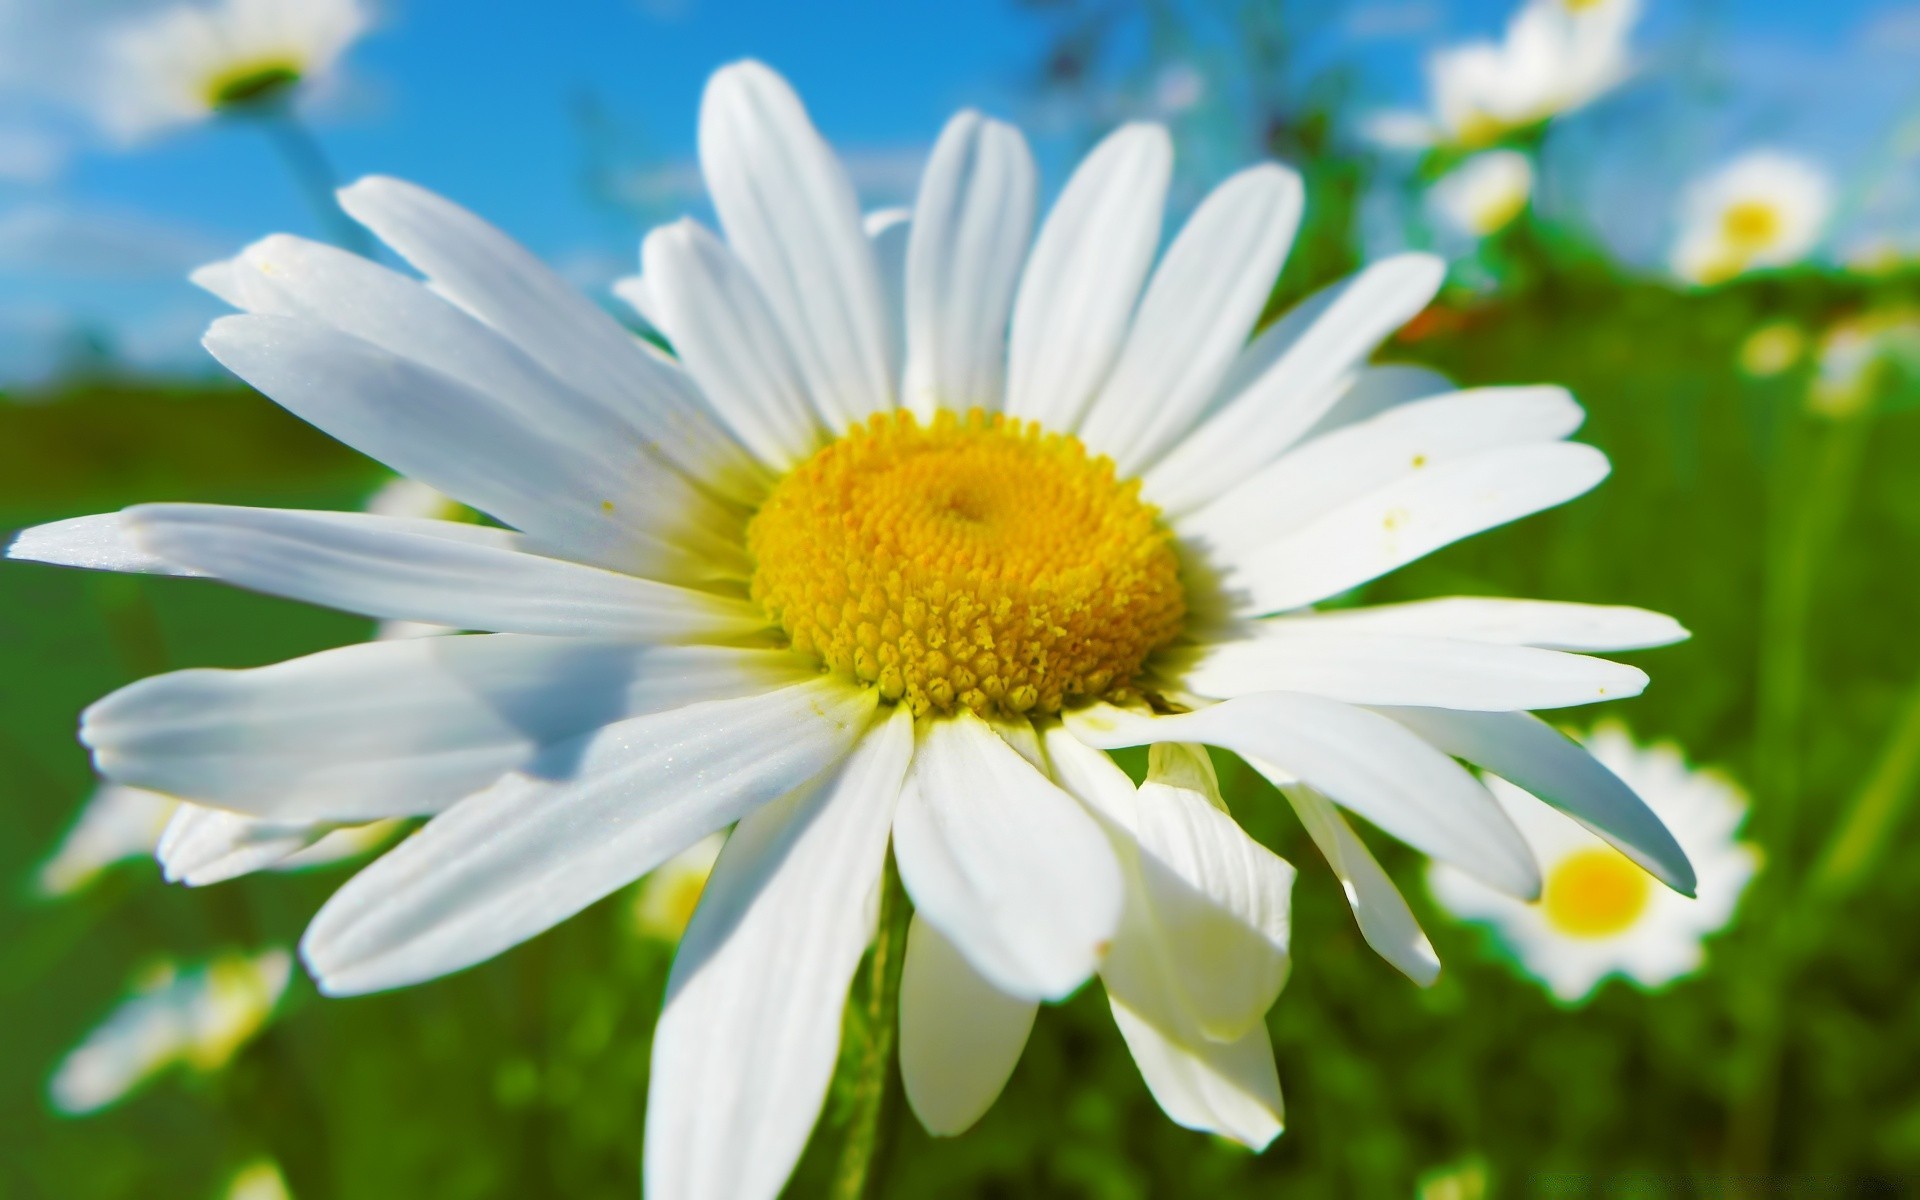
[1764, 209]
[1598, 914]
[1483, 195]
[918, 517]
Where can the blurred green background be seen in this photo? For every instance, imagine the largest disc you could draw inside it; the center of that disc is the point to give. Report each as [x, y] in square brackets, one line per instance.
[1785, 534]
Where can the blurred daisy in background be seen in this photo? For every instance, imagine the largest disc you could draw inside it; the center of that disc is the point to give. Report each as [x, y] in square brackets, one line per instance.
[1773, 349]
[115, 824]
[260, 1179]
[193, 61]
[1557, 56]
[666, 898]
[1764, 209]
[918, 519]
[1599, 914]
[1483, 195]
[196, 1017]
[1861, 354]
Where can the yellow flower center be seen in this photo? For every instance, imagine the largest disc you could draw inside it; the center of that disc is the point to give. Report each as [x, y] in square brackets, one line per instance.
[1751, 224]
[252, 83]
[979, 562]
[1595, 893]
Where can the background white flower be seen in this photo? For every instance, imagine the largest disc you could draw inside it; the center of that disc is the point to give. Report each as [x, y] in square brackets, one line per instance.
[1484, 194]
[667, 897]
[1599, 914]
[1764, 209]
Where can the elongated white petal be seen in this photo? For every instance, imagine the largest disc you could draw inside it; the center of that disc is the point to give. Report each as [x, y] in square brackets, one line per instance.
[1549, 624]
[1344, 466]
[960, 1036]
[745, 1047]
[102, 542]
[789, 212]
[1006, 864]
[1285, 381]
[1529, 753]
[634, 290]
[439, 572]
[203, 846]
[1078, 291]
[1367, 762]
[1408, 520]
[396, 728]
[496, 279]
[969, 239]
[1379, 908]
[889, 230]
[462, 441]
[584, 818]
[718, 321]
[1195, 317]
[1364, 667]
[1227, 1088]
[1377, 389]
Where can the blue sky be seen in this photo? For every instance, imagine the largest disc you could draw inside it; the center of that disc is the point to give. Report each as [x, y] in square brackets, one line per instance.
[484, 100]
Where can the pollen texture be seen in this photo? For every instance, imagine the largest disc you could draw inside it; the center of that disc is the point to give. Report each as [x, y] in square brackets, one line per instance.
[977, 563]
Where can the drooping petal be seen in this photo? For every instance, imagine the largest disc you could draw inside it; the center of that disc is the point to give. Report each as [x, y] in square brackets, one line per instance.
[1284, 382]
[439, 572]
[1365, 761]
[1548, 624]
[203, 846]
[1379, 908]
[1227, 1088]
[584, 818]
[1196, 314]
[969, 238]
[1078, 291]
[1006, 864]
[396, 728]
[789, 212]
[1530, 754]
[960, 1036]
[746, 1044]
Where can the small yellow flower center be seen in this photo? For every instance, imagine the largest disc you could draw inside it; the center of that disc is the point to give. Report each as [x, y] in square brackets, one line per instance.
[1751, 224]
[253, 83]
[977, 563]
[1595, 893]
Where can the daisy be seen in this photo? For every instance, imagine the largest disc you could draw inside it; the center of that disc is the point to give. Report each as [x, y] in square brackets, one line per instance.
[1764, 209]
[882, 557]
[1556, 56]
[1599, 915]
[197, 1017]
[1483, 195]
[196, 60]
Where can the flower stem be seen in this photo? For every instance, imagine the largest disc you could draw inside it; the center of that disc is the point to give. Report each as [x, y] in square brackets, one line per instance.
[314, 176]
[880, 1013]
[1862, 832]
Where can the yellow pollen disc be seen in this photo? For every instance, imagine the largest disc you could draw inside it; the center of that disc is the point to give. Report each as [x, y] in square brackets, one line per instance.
[1595, 893]
[979, 563]
[1751, 224]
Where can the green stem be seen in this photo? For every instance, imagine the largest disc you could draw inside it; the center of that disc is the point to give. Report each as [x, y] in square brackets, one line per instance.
[314, 176]
[1862, 832]
[862, 1149]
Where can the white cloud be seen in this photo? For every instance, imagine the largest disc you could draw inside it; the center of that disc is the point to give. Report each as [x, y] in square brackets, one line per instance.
[67, 242]
[30, 155]
[1381, 20]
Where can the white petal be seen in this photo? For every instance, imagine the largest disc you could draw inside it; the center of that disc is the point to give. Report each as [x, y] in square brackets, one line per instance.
[496, 279]
[713, 312]
[585, 818]
[1367, 762]
[1228, 1088]
[1364, 667]
[1377, 389]
[890, 229]
[102, 542]
[790, 214]
[115, 823]
[960, 1036]
[203, 846]
[1077, 294]
[638, 296]
[1347, 464]
[969, 238]
[1286, 380]
[440, 572]
[1532, 755]
[1384, 918]
[1006, 864]
[1549, 624]
[746, 1044]
[1407, 520]
[433, 428]
[396, 728]
[1195, 317]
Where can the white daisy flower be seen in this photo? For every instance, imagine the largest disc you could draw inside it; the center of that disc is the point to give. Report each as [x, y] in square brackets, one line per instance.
[197, 1017]
[884, 555]
[1857, 354]
[1483, 195]
[115, 824]
[663, 906]
[1557, 56]
[1599, 914]
[192, 61]
[1764, 209]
